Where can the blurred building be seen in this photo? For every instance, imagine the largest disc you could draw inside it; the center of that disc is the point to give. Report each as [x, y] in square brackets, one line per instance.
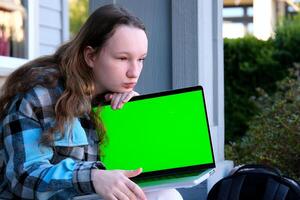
[257, 17]
[12, 26]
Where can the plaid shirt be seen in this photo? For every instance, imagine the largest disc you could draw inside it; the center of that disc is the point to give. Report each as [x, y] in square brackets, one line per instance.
[29, 170]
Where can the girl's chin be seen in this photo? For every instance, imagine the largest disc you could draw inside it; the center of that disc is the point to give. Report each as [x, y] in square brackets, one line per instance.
[126, 90]
[122, 90]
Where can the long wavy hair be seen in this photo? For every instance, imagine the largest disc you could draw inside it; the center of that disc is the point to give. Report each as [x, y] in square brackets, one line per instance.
[68, 64]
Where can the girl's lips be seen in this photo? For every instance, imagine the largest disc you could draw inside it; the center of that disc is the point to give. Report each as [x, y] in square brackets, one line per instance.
[129, 85]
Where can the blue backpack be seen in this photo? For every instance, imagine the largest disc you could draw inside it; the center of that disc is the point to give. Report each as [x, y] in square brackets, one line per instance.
[255, 182]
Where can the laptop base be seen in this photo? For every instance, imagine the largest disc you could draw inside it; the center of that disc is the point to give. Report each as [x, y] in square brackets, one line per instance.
[149, 186]
[170, 183]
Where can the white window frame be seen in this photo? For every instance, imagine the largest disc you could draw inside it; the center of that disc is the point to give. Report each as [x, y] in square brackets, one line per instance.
[9, 64]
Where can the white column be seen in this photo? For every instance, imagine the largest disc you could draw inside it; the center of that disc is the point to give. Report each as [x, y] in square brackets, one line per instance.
[33, 29]
[210, 59]
[263, 18]
[211, 77]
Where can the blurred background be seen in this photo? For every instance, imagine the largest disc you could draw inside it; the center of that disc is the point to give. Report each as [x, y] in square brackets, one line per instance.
[261, 70]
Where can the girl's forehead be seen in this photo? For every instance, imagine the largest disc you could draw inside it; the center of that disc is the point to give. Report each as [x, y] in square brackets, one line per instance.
[128, 38]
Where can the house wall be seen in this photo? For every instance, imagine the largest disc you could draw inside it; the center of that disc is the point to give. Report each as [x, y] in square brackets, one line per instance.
[53, 25]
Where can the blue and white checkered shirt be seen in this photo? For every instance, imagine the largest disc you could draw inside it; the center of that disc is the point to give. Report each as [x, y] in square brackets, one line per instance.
[30, 170]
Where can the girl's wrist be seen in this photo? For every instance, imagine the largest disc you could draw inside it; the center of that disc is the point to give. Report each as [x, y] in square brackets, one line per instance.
[98, 165]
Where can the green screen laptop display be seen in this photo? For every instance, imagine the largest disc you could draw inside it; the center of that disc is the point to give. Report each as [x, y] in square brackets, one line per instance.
[163, 131]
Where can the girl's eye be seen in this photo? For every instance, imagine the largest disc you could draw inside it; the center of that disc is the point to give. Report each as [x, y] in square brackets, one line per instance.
[122, 58]
[142, 59]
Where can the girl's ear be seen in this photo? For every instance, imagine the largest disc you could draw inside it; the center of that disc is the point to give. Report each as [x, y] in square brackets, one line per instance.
[89, 56]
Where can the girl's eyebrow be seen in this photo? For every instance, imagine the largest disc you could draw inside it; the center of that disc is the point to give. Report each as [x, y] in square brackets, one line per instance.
[120, 52]
[124, 52]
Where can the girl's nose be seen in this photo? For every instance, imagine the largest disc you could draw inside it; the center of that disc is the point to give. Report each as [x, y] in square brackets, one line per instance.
[134, 70]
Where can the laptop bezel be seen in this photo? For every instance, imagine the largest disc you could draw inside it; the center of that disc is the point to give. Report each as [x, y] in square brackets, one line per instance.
[180, 170]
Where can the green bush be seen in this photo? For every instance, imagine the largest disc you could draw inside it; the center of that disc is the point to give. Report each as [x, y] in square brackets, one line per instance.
[272, 120]
[274, 134]
[248, 64]
[287, 42]
[78, 11]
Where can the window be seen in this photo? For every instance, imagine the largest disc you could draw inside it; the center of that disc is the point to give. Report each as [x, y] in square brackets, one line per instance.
[238, 21]
[18, 33]
[233, 12]
[250, 11]
[13, 28]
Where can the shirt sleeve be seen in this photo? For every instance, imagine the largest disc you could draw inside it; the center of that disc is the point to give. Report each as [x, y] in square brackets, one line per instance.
[28, 169]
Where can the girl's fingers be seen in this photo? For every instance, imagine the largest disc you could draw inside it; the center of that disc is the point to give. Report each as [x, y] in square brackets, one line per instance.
[136, 190]
[108, 97]
[129, 96]
[131, 185]
[124, 100]
[132, 173]
[111, 197]
[118, 99]
[122, 195]
[127, 191]
[115, 100]
[121, 101]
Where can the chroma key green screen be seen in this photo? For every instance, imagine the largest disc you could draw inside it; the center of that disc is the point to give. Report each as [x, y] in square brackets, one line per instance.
[157, 133]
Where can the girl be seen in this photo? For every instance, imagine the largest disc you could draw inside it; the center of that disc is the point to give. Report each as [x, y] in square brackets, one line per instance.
[49, 135]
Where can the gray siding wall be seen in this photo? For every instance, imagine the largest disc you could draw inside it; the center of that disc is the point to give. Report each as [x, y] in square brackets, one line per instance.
[53, 25]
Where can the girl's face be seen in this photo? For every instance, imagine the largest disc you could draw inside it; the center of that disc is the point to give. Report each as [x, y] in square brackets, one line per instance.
[119, 63]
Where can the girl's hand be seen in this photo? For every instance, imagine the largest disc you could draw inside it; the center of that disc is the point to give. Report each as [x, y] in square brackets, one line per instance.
[115, 184]
[119, 99]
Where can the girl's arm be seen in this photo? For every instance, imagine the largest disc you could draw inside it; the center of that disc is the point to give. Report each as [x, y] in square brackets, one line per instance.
[28, 168]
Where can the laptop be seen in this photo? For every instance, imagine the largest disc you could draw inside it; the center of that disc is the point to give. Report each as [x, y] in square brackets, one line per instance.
[165, 133]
